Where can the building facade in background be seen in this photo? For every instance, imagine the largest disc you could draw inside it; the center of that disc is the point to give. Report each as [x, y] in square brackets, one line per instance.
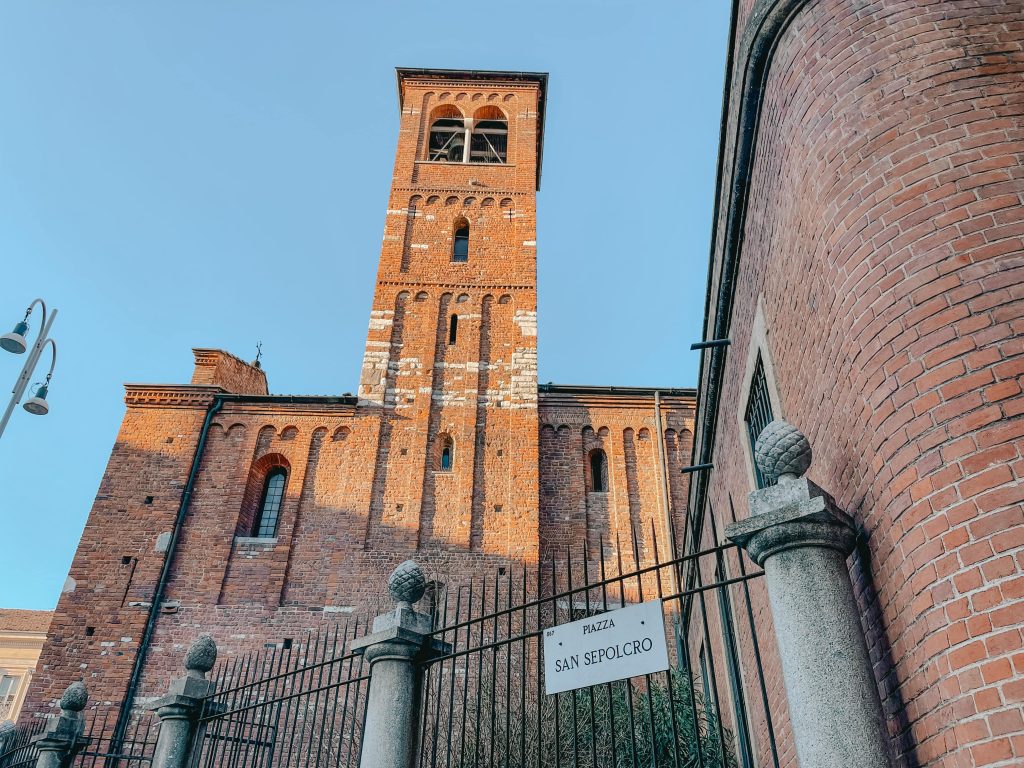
[22, 634]
[260, 518]
[868, 268]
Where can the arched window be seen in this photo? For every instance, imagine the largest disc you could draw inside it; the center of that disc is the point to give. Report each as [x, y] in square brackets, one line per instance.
[265, 525]
[447, 453]
[489, 142]
[447, 136]
[598, 471]
[460, 243]
[453, 329]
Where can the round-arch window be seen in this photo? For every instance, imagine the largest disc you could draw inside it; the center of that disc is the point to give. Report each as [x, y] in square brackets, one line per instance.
[265, 525]
[447, 454]
[460, 246]
[598, 471]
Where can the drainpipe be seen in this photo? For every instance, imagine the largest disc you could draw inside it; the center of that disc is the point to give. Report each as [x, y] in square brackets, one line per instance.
[117, 739]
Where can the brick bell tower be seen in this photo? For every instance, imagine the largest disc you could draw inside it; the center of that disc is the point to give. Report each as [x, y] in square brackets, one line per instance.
[451, 353]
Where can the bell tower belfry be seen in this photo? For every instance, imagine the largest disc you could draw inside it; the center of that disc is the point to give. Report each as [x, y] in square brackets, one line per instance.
[451, 353]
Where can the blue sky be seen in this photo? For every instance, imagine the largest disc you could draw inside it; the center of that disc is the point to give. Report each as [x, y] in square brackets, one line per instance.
[195, 174]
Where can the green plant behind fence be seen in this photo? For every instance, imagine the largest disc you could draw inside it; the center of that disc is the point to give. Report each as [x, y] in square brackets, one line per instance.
[618, 725]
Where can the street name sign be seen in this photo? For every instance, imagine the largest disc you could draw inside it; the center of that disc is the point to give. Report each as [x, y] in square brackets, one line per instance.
[611, 646]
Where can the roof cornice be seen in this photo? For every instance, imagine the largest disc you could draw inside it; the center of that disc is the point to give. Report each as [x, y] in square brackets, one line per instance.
[199, 396]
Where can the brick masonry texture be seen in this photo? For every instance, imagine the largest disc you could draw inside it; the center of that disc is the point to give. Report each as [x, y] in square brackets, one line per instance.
[365, 488]
[883, 242]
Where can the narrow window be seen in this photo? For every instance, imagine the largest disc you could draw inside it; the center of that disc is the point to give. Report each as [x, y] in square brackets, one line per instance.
[460, 245]
[270, 507]
[598, 471]
[447, 453]
[758, 414]
[453, 329]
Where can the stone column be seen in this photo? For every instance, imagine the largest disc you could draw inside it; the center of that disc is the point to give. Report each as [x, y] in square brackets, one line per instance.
[801, 539]
[180, 709]
[63, 735]
[399, 642]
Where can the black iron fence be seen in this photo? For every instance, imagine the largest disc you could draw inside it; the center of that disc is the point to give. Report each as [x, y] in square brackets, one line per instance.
[484, 702]
[19, 749]
[17, 745]
[134, 750]
[303, 705]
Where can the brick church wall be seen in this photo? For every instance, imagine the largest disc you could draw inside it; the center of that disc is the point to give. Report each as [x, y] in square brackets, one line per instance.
[99, 618]
[574, 422]
[880, 275]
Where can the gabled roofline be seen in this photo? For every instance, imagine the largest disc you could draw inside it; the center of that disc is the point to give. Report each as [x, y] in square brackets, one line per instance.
[541, 78]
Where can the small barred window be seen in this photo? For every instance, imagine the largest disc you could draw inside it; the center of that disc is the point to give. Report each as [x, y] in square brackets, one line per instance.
[758, 414]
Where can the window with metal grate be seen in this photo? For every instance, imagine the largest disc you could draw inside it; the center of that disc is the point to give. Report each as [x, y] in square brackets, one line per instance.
[758, 414]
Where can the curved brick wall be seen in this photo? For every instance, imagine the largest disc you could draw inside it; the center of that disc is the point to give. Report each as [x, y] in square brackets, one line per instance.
[883, 238]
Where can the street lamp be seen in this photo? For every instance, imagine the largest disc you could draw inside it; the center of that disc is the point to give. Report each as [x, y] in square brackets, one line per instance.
[15, 342]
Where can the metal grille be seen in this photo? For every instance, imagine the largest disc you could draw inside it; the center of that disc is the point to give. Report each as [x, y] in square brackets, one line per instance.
[304, 705]
[135, 750]
[758, 414]
[484, 703]
[19, 750]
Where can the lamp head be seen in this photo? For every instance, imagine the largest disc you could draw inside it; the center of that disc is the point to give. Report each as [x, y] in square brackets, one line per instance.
[15, 340]
[37, 405]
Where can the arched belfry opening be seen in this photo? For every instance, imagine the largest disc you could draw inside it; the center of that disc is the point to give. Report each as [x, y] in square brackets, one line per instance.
[447, 135]
[489, 139]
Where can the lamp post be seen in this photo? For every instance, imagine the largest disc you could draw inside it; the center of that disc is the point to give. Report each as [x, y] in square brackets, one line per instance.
[15, 342]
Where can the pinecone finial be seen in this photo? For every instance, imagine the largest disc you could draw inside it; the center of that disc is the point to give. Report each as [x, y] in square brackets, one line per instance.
[782, 451]
[406, 584]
